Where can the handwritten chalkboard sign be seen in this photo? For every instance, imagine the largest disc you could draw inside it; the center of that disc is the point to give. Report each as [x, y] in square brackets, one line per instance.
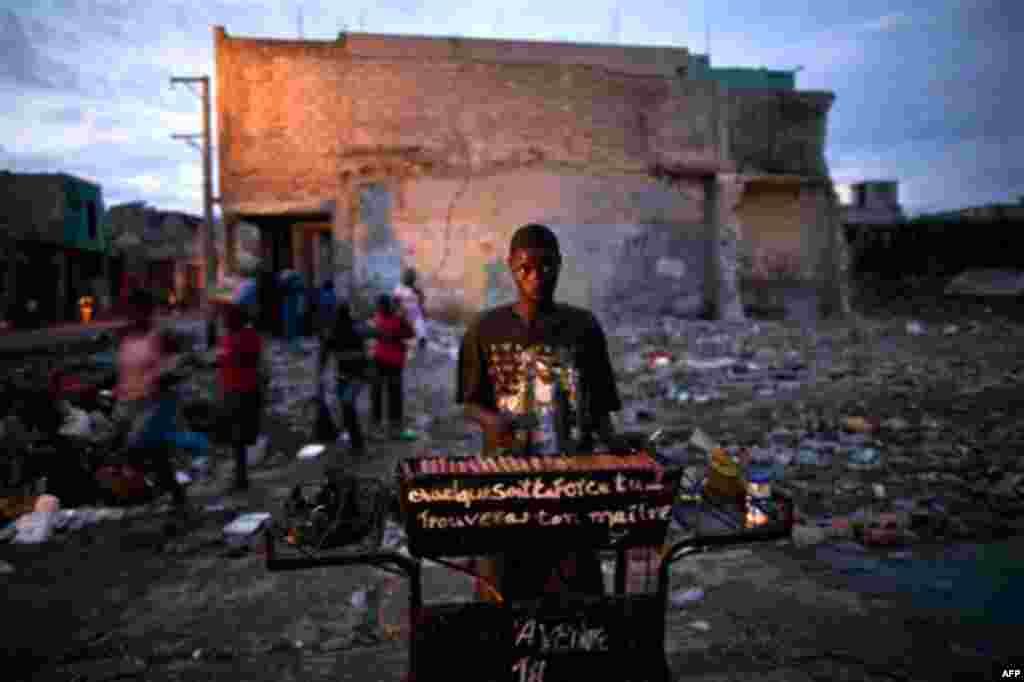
[463, 515]
[617, 636]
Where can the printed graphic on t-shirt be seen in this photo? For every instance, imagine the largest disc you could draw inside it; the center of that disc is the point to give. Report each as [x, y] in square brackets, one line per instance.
[531, 378]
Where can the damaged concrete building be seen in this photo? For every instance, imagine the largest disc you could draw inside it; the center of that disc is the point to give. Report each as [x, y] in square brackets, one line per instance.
[670, 190]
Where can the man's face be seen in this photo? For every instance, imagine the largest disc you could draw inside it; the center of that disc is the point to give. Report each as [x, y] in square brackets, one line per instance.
[535, 272]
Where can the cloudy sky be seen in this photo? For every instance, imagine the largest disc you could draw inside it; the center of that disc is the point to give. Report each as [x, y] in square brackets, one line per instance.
[924, 90]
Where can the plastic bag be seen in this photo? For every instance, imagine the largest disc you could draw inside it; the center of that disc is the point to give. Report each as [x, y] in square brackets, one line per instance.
[255, 453]
[35, 527]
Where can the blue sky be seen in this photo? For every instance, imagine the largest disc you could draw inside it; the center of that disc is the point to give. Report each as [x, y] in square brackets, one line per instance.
[923, 89]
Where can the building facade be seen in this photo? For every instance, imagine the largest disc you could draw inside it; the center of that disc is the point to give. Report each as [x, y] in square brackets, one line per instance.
[56, 243]
[874, 202]
[363, 155]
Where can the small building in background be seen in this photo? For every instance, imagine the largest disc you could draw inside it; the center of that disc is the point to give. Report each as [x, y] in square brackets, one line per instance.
[874, 202]
[56, 247]
[163, 251]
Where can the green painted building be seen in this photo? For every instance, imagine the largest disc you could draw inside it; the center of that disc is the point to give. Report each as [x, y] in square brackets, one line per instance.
[84, 224]
[56, 243]
[742, 78]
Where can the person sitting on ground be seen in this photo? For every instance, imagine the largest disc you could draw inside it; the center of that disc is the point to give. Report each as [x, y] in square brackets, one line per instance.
[346, 342]
[389, 358]
[491, 383]
[145, 411]
[241, 383]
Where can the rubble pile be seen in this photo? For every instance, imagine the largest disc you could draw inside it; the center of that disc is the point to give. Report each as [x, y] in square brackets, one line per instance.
[858, 471]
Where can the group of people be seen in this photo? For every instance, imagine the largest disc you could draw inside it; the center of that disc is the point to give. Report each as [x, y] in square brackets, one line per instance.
[147, 408]
[493, 372]
[396, 329]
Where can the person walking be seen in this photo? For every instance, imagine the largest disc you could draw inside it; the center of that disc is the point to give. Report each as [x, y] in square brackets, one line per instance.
[145, 413]
[292, 307]
[413, 302]
[241, 374]
[389, 357]
[327, 306]
[346, 341]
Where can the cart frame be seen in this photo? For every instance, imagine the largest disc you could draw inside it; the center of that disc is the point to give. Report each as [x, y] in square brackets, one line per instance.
[412, 568]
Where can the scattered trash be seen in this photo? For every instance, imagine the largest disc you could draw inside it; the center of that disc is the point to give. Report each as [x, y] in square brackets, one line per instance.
[701, 440]
[6, 568]
[707, 365]
[257, 452]
[987, 282]
[311, 451]
[659, 359]
[241, 532]
[858, 425]
[35, 527]
[809, 457]
[806, 536]
[888, 528]
[683, 598]
[915, 328]
[864, 458]
[182, 478]
[701, 625]
[896, 424]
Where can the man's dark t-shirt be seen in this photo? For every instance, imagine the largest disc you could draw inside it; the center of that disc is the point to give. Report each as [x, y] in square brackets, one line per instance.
[492, 369]
[492, 374]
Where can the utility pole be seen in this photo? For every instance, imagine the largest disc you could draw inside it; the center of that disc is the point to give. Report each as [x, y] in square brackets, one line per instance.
[209, 248]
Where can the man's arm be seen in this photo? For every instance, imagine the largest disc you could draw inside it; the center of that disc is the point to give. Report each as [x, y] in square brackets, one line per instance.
[601, 392]
[474, 391]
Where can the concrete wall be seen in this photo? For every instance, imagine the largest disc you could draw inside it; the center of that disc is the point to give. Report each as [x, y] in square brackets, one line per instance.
[438, 116]
[637, 60]
[455, 232]
[773, 234]
[778, 132]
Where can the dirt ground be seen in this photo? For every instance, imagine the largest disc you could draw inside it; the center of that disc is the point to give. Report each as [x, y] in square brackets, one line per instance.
[122, 600]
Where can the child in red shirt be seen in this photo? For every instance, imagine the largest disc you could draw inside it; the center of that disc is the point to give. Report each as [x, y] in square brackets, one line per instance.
[241, 379]
[389, 357]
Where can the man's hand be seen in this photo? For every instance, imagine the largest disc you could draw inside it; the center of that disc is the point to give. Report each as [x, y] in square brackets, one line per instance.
[499, 428]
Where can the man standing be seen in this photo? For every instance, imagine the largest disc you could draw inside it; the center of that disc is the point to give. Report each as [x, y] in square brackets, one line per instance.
[497, 369]
[241, 372]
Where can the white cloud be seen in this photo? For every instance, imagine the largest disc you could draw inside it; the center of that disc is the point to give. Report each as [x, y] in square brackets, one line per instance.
[887, 22]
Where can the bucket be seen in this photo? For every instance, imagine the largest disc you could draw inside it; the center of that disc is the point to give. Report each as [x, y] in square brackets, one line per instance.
[724, 480]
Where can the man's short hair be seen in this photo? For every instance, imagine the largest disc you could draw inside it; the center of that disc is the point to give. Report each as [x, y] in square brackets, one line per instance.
[534, 236]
